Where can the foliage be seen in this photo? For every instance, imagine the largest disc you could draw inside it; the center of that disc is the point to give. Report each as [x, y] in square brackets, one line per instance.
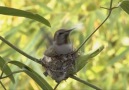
[108, 70]
[6, 69]
[21, 13]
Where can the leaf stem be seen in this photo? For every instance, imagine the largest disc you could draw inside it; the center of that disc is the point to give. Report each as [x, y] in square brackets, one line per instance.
[2, 85]
[86, 83]
[12, 74]
[20, 51]
[3, 69]
[56, 86]
[109, 13]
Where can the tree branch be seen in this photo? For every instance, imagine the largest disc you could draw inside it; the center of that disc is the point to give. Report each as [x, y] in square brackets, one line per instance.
[84, 82]
[56, 86]
[3, 69]
[110, 10]
[12, 74]
[2, 85]
[20, 51]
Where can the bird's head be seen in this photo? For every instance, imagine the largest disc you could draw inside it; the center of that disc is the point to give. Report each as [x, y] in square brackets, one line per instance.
[62, 36]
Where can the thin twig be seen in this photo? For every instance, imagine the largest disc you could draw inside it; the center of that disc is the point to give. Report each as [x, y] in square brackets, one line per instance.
[56, 86]
[110, 10]
[20, 51]
[12, 74]
[86, 83]
[7, 75]
[3, 69]
[2, 85]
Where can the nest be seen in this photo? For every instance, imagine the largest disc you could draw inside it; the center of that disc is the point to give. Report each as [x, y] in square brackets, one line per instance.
[59, 67]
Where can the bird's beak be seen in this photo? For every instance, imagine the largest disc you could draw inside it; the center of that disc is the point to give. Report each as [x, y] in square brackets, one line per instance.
[70, 30]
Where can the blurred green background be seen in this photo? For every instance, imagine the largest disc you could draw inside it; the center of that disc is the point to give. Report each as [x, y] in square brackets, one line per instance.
[109, 70]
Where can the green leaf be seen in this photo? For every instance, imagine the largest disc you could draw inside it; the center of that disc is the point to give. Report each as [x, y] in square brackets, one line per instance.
[118, 57]
[91, 6]
[42, 5]
[82, 60]
[125, 5]
[6, 69]
[21, 13]
[35, 76]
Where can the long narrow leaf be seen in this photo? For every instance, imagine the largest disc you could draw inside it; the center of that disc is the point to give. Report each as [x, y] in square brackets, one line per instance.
[6, 69]
[125, 5]
[21, 13]
[82, 60]
[118, 57]
[36, 77]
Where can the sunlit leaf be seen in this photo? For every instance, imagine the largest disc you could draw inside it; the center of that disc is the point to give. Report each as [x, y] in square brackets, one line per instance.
[36, 77]
[125, 5]
[6, 69]
[91, 6]
[42, 5]
[82, 60]
[21, 13]
[118, 57]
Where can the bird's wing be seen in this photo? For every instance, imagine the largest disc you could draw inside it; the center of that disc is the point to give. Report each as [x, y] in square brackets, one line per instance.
[50, 52]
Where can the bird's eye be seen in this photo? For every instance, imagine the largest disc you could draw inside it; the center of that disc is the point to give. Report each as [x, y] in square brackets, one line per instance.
[60, 33]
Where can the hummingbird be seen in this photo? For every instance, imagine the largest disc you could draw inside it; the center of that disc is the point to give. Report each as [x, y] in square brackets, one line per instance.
[61, 44]
[57, 58]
